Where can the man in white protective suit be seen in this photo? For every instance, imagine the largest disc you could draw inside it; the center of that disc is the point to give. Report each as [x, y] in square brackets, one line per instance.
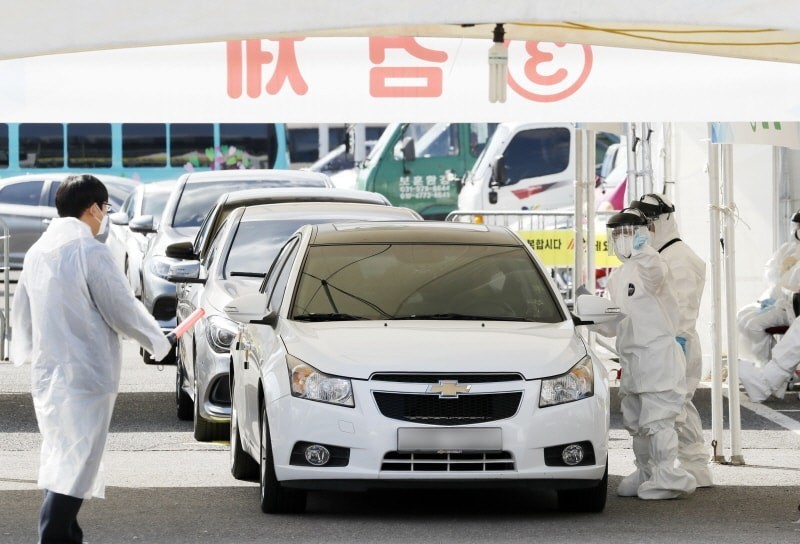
[774, 307]
[70, 307]
[772, 379]
[653, 383]
[687, 276]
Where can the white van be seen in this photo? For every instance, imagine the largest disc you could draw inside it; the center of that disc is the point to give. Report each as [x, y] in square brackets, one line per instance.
[524, 166]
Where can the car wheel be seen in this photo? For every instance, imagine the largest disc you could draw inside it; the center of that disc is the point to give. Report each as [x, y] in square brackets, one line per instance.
[183, 400]
[204, 430]
[243, 467]
[585, 500]
[275, 498]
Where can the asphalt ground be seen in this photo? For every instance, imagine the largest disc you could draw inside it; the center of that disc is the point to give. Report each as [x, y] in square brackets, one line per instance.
[164, 487]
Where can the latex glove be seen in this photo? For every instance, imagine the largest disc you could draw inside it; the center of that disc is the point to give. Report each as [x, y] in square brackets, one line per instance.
[682, 341]
[767, 303]
[639, 240]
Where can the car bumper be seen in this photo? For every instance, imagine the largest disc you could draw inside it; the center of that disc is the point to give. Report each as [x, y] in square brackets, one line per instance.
[159, 297]
[524, 454]
[213, 387]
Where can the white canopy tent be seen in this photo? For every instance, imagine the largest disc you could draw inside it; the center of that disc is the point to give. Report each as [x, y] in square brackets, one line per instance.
[744, 29]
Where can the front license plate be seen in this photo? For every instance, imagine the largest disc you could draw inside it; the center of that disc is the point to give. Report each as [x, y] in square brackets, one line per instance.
[418, 439]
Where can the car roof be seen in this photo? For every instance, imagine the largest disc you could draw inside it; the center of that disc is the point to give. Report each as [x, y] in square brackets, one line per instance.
[59, 176]
[256, 174]
[412, 232]
[283, 194]
[345, 210]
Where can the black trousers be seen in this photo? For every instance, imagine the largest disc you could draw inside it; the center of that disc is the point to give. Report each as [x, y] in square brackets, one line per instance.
[58, 519]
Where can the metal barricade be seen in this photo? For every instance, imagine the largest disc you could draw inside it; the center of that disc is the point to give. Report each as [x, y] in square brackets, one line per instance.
[4, 317]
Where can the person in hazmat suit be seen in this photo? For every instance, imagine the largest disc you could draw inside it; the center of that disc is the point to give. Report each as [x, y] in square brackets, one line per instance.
[687, 276]
[774, 306]
[70, 307]
[772, 379]
[653, 383]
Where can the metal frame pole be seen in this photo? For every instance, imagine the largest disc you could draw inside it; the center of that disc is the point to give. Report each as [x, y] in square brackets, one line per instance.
[715, 259]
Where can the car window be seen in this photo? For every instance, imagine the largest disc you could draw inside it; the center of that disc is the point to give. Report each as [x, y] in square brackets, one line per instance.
[51, 197]
[537, 152]
[27, 193]
[213, 249]
[129, 206]
[198, 198]
[404, 281]
[282, 268]
[153, 203]
[256, 243]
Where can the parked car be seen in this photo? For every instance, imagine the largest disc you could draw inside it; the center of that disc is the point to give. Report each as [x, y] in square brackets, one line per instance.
[272, 195]
[28, 204]
[234, 264]
[187, 206]
[414, 354]
[127, 246]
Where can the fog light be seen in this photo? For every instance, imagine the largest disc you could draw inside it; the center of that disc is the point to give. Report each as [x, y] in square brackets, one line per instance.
[571, 455]
[319, 455]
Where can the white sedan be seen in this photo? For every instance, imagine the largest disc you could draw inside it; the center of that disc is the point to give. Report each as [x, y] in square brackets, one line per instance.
[414, 354]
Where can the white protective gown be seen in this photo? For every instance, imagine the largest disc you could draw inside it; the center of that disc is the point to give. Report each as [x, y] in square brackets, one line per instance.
[70, 307]
[782, 274]
[653, 384]
[687, 272]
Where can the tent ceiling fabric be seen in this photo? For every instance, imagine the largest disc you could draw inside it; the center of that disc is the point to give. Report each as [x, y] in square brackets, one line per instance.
[757, 29]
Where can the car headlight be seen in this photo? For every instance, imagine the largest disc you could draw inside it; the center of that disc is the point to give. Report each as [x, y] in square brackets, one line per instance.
[576, 384]
[160, 265]
[309, 383]
[220, 333]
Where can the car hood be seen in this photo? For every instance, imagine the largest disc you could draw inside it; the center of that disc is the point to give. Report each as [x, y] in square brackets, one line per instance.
[358, 349]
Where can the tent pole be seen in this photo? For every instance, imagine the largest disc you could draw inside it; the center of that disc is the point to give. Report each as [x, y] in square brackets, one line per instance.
[734, 414]
[590, 209]
[715, 259]
[580, 176]
[633, 175]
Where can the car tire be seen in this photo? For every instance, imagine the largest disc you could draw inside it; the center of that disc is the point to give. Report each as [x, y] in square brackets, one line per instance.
[204, 430]
[592, 499]
[275, 498]
[243, 467]
[185, 406]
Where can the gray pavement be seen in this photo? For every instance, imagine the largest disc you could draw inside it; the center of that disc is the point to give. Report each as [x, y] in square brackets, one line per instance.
[162, 486]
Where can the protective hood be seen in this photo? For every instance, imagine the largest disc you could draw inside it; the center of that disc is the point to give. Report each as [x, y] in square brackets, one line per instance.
[666, 229]
[358, 349]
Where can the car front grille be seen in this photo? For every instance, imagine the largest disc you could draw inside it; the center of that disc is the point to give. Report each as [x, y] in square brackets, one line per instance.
[431, 409]
[164, 308]
[448, 462]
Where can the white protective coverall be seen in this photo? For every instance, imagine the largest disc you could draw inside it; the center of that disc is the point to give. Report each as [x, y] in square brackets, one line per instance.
[772, 378]
[687, 273]
[653, 385]
[70, 306]
[774, 308]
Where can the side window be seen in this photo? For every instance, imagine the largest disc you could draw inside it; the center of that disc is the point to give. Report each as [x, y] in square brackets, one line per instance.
[191, 143]
[214, 247]
[89, 145]
[144, 144]
[3, 145]
[430, 140]
[27, 193]
[129, 205]
[255, 143]
[537, 152]
[51, 197]
[479, 134]
[41, 145]
[205, 232]
[278, 275]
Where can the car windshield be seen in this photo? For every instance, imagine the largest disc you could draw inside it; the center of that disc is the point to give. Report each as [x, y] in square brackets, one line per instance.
[423, 281]
[153, 203]
[198, 198]
[256, 244]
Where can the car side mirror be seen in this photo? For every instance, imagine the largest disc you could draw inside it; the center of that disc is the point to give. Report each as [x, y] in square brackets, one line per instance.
[251, 308]
[592, 310]
[183, 250]
[498, 172]
[118, 218]
[143, 224]
[185, 272]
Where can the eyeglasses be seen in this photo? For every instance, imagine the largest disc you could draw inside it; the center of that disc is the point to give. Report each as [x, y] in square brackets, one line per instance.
[105, 206]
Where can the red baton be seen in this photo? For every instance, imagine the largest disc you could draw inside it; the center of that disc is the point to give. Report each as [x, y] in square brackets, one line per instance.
[188, 323]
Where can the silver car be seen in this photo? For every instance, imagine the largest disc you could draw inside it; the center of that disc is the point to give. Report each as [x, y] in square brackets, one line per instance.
[185, 210]
[236, 262]
[28, 204]
[127, 246]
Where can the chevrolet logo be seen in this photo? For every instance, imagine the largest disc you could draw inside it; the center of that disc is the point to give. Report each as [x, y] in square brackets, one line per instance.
[448, 389]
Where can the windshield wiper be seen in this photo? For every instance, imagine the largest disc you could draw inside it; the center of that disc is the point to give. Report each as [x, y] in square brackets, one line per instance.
[464, 317]
[327, 317]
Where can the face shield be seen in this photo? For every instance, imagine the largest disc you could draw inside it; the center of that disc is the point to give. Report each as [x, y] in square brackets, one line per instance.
[624, 239]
